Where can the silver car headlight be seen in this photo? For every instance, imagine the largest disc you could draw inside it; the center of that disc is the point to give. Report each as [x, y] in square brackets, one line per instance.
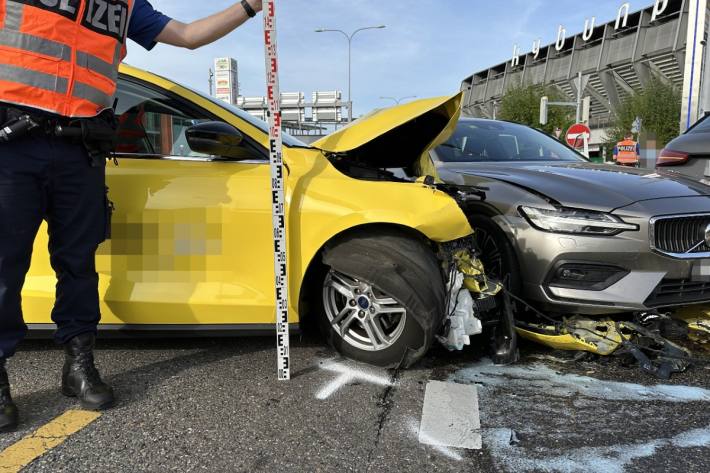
[576, 221]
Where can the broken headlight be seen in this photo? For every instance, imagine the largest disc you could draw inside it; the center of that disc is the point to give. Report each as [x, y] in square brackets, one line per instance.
[575, 221]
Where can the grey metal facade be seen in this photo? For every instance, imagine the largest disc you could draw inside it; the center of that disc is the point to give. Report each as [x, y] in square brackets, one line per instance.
[617, 58]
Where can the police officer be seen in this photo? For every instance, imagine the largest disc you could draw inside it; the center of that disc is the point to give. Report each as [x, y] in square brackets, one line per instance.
[58, 70]
[627, 152]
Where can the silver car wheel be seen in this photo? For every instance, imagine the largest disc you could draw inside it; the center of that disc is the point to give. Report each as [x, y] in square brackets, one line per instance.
[361, 314]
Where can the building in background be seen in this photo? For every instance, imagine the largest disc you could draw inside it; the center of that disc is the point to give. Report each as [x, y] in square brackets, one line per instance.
[667, 39]
[308, 120]
[226, 79]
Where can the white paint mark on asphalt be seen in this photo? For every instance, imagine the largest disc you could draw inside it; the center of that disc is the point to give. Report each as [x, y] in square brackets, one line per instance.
[606, 459]
[450, 416]
[350, 373]
[540, 377]
[446, 451]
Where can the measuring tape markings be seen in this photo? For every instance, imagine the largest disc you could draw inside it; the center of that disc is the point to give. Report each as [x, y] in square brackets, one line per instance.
[278, 199]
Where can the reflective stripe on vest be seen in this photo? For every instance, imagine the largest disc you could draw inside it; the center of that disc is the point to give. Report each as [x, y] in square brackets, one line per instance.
[36, 79]
[62, 56]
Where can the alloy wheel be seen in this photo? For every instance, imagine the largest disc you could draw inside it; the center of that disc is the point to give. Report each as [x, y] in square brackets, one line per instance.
[361, 314]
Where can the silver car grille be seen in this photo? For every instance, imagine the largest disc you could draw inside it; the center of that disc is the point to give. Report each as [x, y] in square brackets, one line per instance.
[681, 237]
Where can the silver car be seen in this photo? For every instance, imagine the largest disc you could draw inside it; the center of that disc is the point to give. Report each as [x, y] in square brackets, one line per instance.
[575, 237]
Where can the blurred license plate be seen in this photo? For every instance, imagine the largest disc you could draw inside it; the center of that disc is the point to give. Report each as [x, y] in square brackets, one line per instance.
[702, 269]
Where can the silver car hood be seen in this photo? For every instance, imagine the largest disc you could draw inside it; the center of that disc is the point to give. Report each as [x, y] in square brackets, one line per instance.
[585, 185]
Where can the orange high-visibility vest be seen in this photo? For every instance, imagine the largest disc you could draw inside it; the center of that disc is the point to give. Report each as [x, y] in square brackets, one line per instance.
[626, 152]
[62, 56]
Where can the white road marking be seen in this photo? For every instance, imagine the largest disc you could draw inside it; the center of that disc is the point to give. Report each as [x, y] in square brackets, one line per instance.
[446, 451]
[450, 416]
[348, 374]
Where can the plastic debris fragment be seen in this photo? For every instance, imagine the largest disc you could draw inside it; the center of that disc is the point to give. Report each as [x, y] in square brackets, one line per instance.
[461, 322]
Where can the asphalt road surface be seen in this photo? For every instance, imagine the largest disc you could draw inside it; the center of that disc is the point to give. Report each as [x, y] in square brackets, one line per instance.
[215, 405]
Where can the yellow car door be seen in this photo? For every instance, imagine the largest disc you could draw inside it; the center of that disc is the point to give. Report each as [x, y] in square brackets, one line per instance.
[186, 246]
[191, 233]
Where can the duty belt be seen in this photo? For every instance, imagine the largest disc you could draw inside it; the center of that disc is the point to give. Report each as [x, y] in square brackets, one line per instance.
[45, 123]
[18, 123]
[97, 135]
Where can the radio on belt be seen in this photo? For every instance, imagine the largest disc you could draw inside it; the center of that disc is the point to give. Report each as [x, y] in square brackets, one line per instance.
[278, 209]
[18, 128]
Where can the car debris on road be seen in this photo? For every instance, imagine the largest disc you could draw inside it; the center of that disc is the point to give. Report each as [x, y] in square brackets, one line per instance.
[654, 340]
[698, 320]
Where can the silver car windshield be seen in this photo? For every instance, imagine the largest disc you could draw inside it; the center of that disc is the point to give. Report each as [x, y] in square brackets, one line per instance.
[479, 141]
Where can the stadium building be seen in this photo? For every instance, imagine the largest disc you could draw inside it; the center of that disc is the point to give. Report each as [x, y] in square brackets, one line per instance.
[667, 39]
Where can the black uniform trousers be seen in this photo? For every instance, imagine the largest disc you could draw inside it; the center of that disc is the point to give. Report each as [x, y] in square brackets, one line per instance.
[44, 177]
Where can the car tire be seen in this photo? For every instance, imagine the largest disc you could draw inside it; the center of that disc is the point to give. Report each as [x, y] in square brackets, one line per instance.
[387, 281]
[497, 253]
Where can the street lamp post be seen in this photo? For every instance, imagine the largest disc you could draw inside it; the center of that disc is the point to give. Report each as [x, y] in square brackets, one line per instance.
[399, 100]
[350, 37]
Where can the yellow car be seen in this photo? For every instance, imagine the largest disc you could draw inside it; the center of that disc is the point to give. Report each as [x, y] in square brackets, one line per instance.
[191, 246]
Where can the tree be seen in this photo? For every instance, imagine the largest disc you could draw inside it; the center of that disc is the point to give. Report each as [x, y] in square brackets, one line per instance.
[521, 104]
[658, 105]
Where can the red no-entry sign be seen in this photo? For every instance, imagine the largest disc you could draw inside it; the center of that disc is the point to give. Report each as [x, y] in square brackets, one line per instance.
[576, 135]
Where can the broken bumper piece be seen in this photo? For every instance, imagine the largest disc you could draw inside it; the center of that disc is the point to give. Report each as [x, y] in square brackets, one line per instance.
[654, 353]
[461, 322]
[698, 320]
[600, 337]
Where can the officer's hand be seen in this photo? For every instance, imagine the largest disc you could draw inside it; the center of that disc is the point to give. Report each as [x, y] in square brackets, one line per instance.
[256, 5]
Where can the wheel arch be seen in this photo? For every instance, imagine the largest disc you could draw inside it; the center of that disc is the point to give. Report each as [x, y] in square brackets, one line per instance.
[509, 238]
[490, 211]
[316, 266]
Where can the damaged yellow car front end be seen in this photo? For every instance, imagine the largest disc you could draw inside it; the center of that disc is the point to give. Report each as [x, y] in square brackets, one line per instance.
[191, 248]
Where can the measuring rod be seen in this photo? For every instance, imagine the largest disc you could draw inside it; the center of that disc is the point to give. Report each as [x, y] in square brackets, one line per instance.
[278, 200]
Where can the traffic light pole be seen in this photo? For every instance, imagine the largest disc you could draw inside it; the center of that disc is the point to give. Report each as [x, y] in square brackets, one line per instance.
[582, 107]
[582, 104]
[579, 99]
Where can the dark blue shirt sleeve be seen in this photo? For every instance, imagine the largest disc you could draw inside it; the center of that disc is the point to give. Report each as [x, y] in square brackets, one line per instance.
[146, 24]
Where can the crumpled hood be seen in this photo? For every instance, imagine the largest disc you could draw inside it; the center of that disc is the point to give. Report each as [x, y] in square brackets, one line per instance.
[397, 137]
[586, 185]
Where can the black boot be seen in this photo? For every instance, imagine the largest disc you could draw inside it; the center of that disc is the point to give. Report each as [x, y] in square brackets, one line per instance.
[8, 409]
[80, 377]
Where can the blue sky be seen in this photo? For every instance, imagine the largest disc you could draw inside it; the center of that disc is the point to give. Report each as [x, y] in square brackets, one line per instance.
[428, 47]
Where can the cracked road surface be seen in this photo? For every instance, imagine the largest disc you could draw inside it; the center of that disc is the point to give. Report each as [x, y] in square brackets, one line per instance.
[215, 405]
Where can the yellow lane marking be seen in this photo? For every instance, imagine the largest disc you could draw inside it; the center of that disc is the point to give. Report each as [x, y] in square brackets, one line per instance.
[19, 455]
